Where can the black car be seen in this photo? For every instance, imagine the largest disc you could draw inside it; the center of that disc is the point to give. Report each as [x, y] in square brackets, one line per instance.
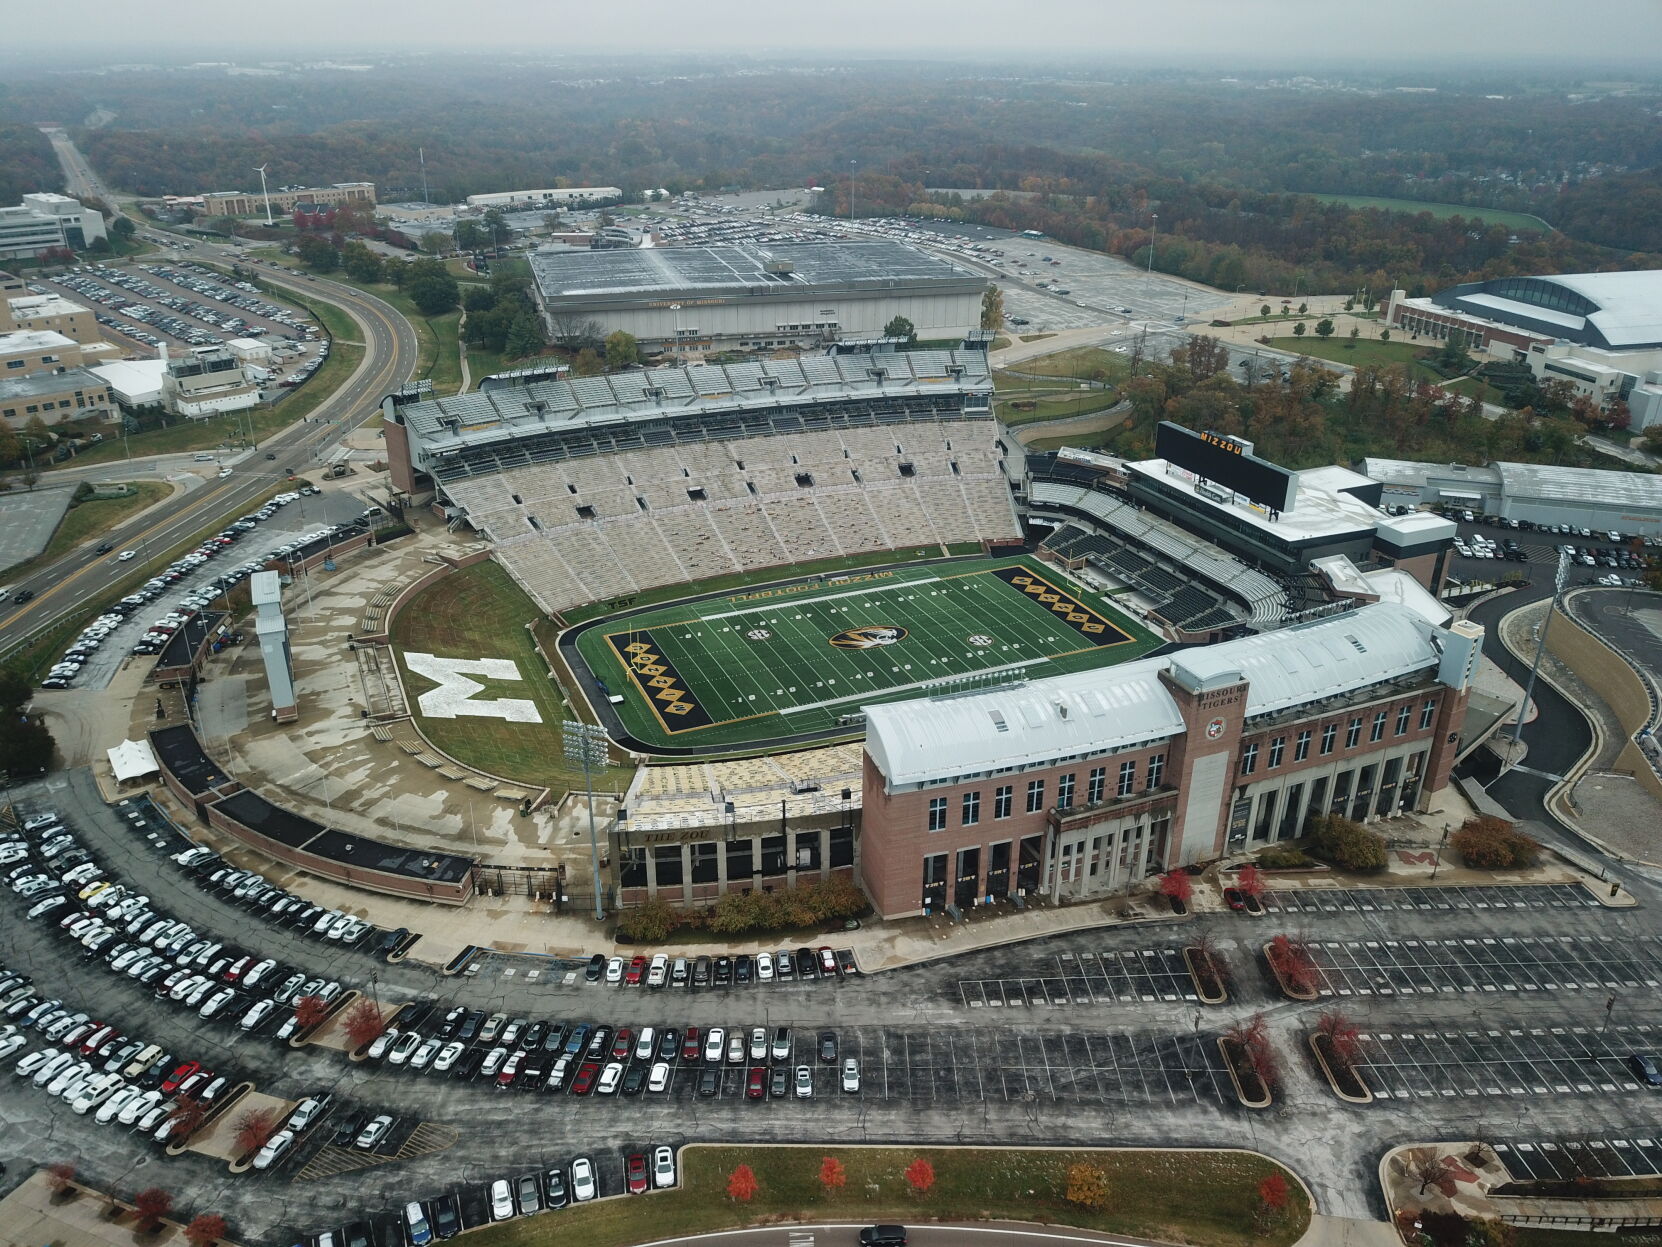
[271, 456]
[807, 963]
[528, 1194]
[470, 1025]
[390, 940]
[724, 969]
[533, 1073]
[103, 547]
[634, 1079]
[744, 968]
[701, 972]
[452, 1021]
[468, 1066]
[709, 1082]
[828, 1046]
[599, 1043]
[347, 1128]
[779, 1082]
[23, 595]
[442, 1213]
[554, 1189]
[883, 1236]
[669, 1044]
[1645, 1069]
[412, 1019]
[532, 1038]
[595, 968]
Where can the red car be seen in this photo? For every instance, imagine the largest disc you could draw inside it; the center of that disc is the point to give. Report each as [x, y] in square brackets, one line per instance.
[170, 1084]
[827, 962]
[509, 1071]
[635, 1170]
[586, 1074]
[635, 973]
[755, 1087]
[237, 969]
[624, 1044]
[691, 1045]
[1234, 898]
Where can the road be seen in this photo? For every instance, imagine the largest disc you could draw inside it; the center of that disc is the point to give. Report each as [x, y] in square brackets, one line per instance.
[81, 579]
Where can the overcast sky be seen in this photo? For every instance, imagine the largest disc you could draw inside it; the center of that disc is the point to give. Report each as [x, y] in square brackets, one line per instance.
[1256, 30]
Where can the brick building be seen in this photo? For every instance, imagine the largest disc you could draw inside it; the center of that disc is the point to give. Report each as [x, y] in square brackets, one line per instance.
[1081, 785]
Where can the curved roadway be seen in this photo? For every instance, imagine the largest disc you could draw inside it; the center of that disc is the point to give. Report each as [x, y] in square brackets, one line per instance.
[78, 579]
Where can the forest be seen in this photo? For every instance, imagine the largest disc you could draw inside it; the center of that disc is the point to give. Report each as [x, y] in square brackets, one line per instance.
[26, 163]
[1227, 165]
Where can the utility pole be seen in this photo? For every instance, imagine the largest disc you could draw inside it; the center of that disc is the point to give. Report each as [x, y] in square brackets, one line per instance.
[1541, 646]
[421, 152]
[586, 743]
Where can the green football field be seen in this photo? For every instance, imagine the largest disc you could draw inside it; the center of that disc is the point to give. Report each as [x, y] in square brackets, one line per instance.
[750, 668]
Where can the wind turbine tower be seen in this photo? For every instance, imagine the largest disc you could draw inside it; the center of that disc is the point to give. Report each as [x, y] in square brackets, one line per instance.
[263, 191]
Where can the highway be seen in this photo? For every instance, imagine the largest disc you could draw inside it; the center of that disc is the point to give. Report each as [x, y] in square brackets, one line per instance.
[81, 579]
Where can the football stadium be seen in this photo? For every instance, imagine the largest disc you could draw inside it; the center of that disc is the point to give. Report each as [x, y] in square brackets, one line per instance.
[796, 661]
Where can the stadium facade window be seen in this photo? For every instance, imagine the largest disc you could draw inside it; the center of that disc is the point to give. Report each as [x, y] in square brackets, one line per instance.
[907, 469]
[1330, 734]
[1301, 746]
[741, 859]
[1064, 791]
[1095, 784]
[937, 813]
[1265, 822]
[1278, 746]
[1031, 861]
[1156, 770]
[1428, 712]
[773, 854]
[1128, 778]
[696, 494]
[632, 871]
[842, 847]
[1249, 759]
[585, 511]
[1035, 796]
[972, 808]
[705, 867]
[1001, 800]
[1377, 732]
[1405, 712]
[1353, 733]
[1289, 812]
[666, 865]
[807, 855]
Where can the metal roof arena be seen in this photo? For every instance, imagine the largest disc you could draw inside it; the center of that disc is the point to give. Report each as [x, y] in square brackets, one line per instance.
[1094, 712]
[1616, 311]
[741, 269]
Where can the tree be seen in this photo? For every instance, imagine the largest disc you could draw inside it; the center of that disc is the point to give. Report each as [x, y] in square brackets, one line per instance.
[1177, 885]
[524, 336]
[1265, 310]
[1486, 842]
[622, 350]
[1342, 842]
[310, 1010]
[588, 363]
[187, 1117]
[254, 1129]
[1087, 1186]
[122, 227]
[1256, 1054]
[1384, 335]
[60, 1177]
[832, 1175]
[151, 1205]
[360, 263]
[1428, 1168]
[1292, 961]
[1324, 328]
[742, 1185]
[316, 253]
[471, 236]
[1355, 333]
[431, 287]
[900, 327]
[992, 308]
[920, 1176]
[11, 446]
[1303, 308]
[1274, 1193]
[1340, 1036]
[206, 1230]
[437, 242]
[1250, 881]
[1298, 329]
[364, 1023]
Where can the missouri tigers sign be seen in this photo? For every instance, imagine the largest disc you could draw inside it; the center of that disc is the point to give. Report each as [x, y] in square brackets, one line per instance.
[869, 637]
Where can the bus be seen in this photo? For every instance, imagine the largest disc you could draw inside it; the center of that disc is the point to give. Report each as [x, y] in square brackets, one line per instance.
[1032, 233]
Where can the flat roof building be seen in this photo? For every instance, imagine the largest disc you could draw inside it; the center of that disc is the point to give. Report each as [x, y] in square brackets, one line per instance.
[45, 221]
[553, 198]
[26, 351]
[53, 396]
[754, 296]
[253, 203]
[1542, 493]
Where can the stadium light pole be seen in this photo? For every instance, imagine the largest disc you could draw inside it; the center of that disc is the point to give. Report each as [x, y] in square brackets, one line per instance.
[851, 165]
[1541, 645]
[1153, 229]
[583, 742]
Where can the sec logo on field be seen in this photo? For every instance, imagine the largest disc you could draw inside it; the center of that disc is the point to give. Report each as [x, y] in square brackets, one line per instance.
[1214, 729]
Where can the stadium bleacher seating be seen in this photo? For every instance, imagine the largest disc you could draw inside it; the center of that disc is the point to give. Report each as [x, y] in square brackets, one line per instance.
[579, 530]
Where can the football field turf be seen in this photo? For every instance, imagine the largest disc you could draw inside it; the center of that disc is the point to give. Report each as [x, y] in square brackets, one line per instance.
[749, 668]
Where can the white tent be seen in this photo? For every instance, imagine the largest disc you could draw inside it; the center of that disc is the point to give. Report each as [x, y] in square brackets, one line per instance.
[132, 759]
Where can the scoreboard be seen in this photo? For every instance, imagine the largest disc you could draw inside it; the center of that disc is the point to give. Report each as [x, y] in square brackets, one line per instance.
[1226, 464]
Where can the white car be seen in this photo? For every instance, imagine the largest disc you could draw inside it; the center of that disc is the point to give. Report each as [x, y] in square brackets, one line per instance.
[804, 1082]
[257, 1014]
[645, 1042]
[715, 1039]
[658, 1079]
[582, 1180]
[610, 1077]
[448, 1056]
[11, 1043]
[95, 1091]
[657, 974]
[851, 1075]
[764, 968]
[125, 555]
[502, 1200]
[663, 1167]
[385, 1040]
[118, 1104]
[305, 1113]
[614, 970]
[140, 1105]
[274, 1149]
[404, 1048]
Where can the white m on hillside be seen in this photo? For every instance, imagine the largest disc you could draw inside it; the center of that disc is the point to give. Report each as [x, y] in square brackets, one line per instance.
[453, 698]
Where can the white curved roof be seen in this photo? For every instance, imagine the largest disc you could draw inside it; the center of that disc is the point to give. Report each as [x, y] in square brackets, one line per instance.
[1630, 304]
[1100, 711]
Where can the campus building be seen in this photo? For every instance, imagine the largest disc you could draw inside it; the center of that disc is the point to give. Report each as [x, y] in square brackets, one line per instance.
[254, 203]
[569, 197]
[46, 221]
[54, 397]
[1542, 493]
[205, 382]
[1082, 785]
[748, 296]
[52, 313]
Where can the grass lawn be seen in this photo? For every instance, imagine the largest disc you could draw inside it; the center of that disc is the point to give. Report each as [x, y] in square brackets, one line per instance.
[1512, 220]
[1178, 1196]
[746, 669]
[481, 363]
[1085, 363]
[479, 612]
[436, 357]
[1049, 404]
[1366, 351]
[93, 517]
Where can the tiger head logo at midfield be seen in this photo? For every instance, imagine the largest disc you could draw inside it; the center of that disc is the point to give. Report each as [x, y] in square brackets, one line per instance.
[869, 637]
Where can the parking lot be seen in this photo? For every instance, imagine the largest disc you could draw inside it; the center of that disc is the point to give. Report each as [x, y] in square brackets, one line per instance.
[1565, 1160]
[1568, 1059]
[1126, 977]
[1486, 964]
[1405, 900]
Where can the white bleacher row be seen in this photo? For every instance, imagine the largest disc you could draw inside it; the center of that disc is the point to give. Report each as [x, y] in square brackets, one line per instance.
[681, 536]
[1262, 594]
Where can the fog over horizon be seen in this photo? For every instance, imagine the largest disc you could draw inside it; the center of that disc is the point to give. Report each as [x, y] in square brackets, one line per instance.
[1279, 32]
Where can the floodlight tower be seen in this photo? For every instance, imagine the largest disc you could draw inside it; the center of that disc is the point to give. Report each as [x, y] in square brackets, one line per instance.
[265, 193]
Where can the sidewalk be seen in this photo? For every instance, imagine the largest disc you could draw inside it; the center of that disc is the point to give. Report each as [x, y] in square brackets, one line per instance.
[31, 1215]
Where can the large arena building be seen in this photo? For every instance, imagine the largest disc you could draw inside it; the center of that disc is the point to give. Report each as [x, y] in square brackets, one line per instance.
[908, 654]
[754, 297]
